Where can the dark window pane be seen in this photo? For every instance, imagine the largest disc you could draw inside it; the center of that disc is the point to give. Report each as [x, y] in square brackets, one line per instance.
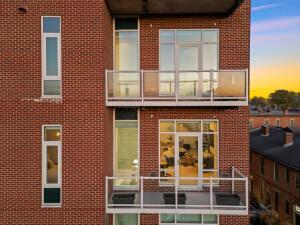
[51, 25]
[51, 87]
[51, 195]
[126, 114]
[126, 24]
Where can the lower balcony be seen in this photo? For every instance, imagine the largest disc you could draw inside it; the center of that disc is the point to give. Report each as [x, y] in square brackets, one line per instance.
[187, 195]
[177, 88]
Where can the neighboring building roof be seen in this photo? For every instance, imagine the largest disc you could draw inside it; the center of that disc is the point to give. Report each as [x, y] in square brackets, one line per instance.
[272, 146]
[274, 112]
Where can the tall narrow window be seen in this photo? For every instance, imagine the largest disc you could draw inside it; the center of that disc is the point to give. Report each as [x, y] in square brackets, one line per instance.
[250, 124]
[266, 122]
[51, 153]
[276, 172]
[287, 175]
[126, 156]
[126, 57]
[276, 201]
[298, 181]
[292, 123]
[262, 166]
[51, 56]
[287, 207]
[277, 121]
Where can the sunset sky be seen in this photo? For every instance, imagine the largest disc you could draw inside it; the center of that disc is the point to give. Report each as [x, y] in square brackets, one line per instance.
[275, 46]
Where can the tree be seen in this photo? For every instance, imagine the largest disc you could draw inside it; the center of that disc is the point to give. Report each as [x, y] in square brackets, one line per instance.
[283, 99]
[258, 101]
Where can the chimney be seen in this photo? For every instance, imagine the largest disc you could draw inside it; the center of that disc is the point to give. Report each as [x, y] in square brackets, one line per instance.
[265, 130]
[288, 139]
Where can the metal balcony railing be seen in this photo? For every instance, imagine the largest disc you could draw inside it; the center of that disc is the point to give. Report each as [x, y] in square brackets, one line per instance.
[177, 88]
[216, 195]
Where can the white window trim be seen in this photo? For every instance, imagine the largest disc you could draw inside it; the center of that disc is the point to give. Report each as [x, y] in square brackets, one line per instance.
[176, 54]
[266, 122]
[44, 163]
[130, 187]
[251, 124]
[292, 122]
[114, 218]
[131, 30]
[44, 75]
[162, 184]
[202, 223]
[278, 122]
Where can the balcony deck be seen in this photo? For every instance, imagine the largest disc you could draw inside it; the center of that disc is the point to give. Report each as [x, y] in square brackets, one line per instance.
[207, 198]
[195, 202]
[177, 88]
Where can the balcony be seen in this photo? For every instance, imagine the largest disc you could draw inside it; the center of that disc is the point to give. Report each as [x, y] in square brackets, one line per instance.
[177, 88]
[210, 195]
[159, 7]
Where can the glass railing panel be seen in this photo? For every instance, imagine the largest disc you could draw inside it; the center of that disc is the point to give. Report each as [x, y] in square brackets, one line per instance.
[188, 84]
[230, 84]
[124, 84]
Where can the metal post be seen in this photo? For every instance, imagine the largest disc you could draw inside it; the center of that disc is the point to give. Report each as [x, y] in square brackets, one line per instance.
[106, 193]
[142, 85]
[211, 193]
[247, 195]
[176, 85]
[176, 193]
[232, 181]
[211, 74]
[142, 192]
[106, 87]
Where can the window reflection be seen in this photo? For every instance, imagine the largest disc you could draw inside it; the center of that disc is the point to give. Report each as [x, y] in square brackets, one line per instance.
[126, 152]
[52, 164]
[52, 133]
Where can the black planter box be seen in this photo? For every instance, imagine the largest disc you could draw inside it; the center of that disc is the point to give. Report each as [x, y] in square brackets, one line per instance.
[123, 198]
[169, 198]
[228, 199]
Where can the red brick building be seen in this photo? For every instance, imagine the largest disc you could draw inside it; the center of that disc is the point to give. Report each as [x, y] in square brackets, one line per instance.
[274, 118]
[275, 170]
[118, 113]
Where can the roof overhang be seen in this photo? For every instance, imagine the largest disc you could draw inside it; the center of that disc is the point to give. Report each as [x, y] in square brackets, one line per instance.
[171, 7]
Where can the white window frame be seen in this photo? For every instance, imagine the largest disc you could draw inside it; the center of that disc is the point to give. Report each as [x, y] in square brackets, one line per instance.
[177, 45]
[162, 184]
[266, 122]
[130, 187]
[129, 30]
[277, 122]
[202, 223]
[292, 122]
[251, 124]
[44, 63]
[114, 218]
[44, 165]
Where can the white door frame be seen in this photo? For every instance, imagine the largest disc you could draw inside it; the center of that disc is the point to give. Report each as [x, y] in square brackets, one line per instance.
[200, 158]
[177, 60]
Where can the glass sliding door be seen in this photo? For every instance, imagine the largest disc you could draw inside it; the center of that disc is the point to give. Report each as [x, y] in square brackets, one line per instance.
[188, 65]
[188, 158]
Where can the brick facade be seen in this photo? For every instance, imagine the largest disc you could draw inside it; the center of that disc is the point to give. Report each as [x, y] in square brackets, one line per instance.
[287, 191]
[87, 130]
[285, 120]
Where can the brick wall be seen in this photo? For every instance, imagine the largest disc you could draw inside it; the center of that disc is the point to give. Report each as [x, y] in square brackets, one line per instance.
[259, 120]
[86, 122]
[86, 145]
[287, 191]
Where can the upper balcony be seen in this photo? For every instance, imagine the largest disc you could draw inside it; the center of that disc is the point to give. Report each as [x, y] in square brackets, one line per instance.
[177, 88]
[159, 7]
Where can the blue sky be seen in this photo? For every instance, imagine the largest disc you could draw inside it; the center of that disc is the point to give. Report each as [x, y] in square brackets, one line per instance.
[275, 46]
